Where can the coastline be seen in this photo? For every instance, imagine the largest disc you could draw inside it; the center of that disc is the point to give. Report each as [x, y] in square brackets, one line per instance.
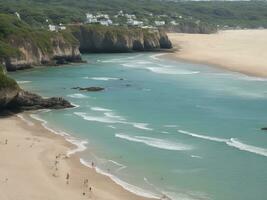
[28, 145]
[240, 51]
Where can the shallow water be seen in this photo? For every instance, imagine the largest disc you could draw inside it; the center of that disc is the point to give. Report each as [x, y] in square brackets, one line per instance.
[184, 130]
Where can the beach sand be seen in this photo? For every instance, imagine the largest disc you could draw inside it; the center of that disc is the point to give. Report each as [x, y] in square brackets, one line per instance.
[34, 165]
[242, 51]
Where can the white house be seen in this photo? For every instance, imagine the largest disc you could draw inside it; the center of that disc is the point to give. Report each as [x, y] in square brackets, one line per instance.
[90, 19]
[52, 27]
[159, 23]
[18, 15]
[105, 22]
[132, 22]
[173, 22]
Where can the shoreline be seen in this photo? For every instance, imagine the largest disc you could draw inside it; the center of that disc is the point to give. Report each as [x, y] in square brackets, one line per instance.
[42, 148]
[241, 51]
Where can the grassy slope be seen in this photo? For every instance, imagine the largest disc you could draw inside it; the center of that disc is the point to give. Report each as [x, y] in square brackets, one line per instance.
[13, 29]
[6, 82]
[35, 12]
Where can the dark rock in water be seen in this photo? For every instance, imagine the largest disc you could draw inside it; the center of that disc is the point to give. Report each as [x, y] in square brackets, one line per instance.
[75, 88]
[29, 101]
[264, 129]
[89, 89]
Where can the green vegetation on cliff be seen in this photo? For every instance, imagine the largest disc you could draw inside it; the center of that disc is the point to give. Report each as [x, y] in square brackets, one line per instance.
[246, 14]
[14, 31]
[6, 82]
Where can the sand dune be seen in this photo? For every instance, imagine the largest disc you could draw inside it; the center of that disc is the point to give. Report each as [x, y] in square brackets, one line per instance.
[243, 51]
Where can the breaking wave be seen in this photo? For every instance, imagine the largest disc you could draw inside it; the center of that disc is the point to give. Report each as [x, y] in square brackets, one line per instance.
[155, 142]
[232, 142]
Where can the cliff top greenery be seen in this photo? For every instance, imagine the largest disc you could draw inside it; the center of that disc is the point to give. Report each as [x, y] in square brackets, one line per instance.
[13, 30]
[249, 14]
[6, 82]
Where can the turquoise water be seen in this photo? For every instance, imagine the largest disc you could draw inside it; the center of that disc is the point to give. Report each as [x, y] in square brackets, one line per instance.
[184, 130]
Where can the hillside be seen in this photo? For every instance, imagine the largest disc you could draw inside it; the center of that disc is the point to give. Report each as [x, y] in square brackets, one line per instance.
[22, 46]
[244, 14]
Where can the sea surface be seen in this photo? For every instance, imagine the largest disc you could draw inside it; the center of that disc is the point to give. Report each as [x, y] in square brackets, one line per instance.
[162, 127]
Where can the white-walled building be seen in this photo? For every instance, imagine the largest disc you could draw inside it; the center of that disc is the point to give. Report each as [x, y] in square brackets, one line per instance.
[18, 15]
[52, 27]
[159, 23]
[132, 22]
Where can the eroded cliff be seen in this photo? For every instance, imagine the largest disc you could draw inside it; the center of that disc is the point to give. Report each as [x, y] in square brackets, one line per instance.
[96, 38]
[12, 97]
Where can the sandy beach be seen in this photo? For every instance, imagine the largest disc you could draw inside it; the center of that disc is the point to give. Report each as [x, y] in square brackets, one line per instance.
[242, 51]
[34, 165]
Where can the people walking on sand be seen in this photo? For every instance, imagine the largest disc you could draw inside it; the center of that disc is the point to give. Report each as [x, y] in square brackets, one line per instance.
[68, 178]
[85, 186]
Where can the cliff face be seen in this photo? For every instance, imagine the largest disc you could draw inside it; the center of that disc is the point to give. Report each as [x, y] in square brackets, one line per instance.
[58, 51]
[116, 39]
[12, 97]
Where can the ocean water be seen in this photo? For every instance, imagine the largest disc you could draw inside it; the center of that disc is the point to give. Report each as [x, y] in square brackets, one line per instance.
[162, 127]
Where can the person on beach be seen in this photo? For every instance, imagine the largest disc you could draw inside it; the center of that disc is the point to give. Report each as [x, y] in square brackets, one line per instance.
[67, 178]
[85, 186]
[6, 141]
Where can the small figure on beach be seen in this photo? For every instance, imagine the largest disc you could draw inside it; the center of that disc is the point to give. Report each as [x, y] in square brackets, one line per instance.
[6, 141]
[85, 183]
[93, 164]
[67, 178]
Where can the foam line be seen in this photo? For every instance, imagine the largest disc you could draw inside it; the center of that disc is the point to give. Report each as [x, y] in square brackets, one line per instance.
[155, 142]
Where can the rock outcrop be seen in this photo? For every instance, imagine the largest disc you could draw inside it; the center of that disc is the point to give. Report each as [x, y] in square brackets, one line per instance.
[118, 39]
[58, 51]
[12, 97]
[28, 101]
[89, 89]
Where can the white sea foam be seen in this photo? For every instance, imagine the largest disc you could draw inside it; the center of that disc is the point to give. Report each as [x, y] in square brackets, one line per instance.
[171, 70]
[155, 57]
[96, 119]
[203, 136]
[131, 65]
[75, 105]
[121, 166]
[111, 126]
[100, 109]
[195, 156]
[165, 132]
[102, 78]
[185, 195]
[155, 142]
[232, 142]
[23, 82]
[80, 144]
[28, 122]
[131, 188]
[251, 78]
[85, 163]
[112, 115]
[142, 126]
[77, 96]
[245, 147]
[170, 126]
[111, 118]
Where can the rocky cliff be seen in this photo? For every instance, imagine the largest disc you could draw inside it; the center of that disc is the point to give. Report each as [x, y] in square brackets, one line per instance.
[23, 46]
[57, 50]
[12, 97]
[96, 38]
